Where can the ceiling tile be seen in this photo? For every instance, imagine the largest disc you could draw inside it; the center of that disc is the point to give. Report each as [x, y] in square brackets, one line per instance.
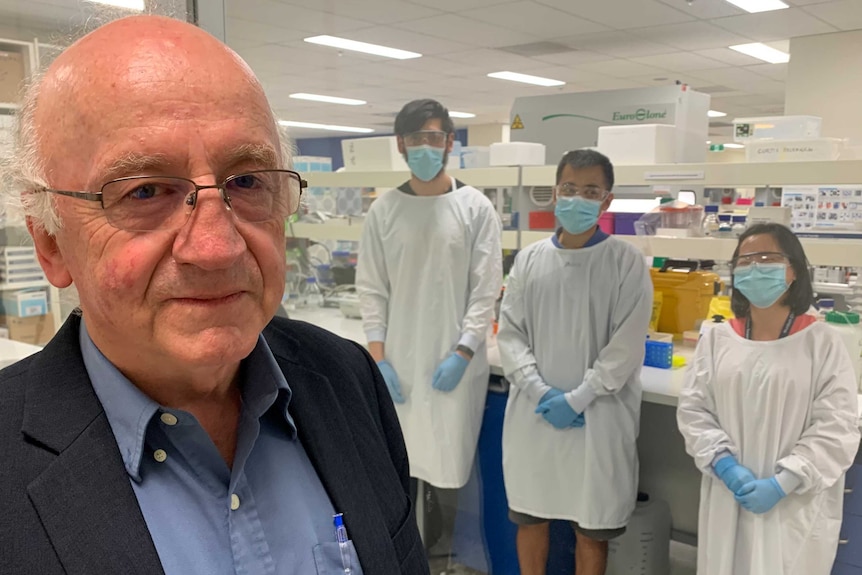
[843, 14]
[705, 9]
[729, 57]
[623, 69]
[805, 2]
[666, 79]
[239, 29]
[617, 44]
[395, 37]
[467, 30]
[737, 78]
[456, 5]
[493, 60]
[772, 71]
[680, 62]
[775, 25]
[622, 14]
[541, 21]
[576, 58]
[377, 11]
[292, 17]
[691, 36]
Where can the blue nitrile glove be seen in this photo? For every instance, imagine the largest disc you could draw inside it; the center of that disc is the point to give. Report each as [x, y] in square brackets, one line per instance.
[391, 379]
[553, 392]
[732, 473]
[559, 413]
[449, 373]
[761, 495]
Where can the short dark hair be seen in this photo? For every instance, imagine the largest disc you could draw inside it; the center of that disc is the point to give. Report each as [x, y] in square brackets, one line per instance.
[800, 295]
[415, 114]
[579, 159]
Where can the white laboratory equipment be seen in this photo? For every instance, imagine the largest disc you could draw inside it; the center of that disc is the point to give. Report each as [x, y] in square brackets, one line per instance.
[644, 549]
[738, 226]
[710, 221]
[847, 324]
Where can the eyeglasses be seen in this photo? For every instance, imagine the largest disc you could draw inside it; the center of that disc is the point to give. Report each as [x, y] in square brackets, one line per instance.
[149, 203]
[429, 137]
[587, 192]
[758, 258]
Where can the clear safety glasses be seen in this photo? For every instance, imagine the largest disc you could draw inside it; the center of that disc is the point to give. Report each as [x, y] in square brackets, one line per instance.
[587, 192]
[758, 258]
[426, 137]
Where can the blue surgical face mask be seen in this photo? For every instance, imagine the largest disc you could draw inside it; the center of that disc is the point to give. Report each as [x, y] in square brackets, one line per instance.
[761, 284]
[577, 215]
[425, 161]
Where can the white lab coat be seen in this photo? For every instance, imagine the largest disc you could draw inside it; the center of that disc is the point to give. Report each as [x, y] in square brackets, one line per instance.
[429, 273]
[780, 405]
[575, 319]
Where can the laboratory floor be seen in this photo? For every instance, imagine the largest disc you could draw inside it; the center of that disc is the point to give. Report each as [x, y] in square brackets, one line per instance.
[683, 557]
[683, 560]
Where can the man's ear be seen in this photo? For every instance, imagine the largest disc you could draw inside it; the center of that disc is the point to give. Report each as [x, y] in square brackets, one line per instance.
[402, 149]
[49, 255]
[607, 203]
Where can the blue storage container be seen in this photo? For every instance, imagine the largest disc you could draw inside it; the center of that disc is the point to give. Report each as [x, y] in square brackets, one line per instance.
[659, 354]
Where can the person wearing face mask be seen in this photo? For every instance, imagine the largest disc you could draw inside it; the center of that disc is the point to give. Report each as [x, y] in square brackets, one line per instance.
[572, 327]
[769, 414]
[428, 276]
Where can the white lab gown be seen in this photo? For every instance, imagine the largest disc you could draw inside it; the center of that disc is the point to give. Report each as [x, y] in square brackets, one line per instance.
[428, 276]
[780, 405]
[580, 317]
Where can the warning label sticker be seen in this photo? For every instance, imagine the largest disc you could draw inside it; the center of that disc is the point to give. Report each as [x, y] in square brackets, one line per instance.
[517, 124]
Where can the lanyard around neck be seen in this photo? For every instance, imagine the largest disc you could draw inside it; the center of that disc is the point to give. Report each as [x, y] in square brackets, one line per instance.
[785, 331]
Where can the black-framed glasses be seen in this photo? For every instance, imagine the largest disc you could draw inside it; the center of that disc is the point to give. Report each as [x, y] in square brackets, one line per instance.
[587, 192]
[150, 203]
[758, 258]
[430, 137]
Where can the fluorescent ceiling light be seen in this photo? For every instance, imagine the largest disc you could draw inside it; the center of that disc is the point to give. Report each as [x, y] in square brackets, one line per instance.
[364, 47]
[762, 52]
[328, 99]
[734, 146]
[313, 126]
[525, 78]
[129, 4]
[461, 114]
[759, 5]
[715, 114]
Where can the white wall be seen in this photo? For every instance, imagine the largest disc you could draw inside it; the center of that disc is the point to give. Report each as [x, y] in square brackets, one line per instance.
[824, 78]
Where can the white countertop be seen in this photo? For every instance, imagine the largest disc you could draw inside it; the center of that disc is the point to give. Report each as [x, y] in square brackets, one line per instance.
[660, 386]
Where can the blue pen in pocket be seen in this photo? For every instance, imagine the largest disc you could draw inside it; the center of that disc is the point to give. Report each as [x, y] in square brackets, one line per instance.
[341, 537]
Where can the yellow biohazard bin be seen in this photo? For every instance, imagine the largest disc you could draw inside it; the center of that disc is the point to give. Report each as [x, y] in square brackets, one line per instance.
[685, 295]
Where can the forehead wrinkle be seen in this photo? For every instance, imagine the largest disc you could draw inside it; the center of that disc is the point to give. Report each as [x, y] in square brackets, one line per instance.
[132, 164]
[258, 154]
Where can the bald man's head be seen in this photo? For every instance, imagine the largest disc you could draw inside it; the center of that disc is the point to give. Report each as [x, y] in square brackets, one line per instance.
[124, 75]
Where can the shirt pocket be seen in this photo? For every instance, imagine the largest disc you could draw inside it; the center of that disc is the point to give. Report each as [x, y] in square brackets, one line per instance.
[327, 559]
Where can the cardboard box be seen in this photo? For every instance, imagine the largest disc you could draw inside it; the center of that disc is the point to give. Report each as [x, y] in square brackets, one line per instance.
[11, 76]
[811, 150]
[25, 303]
[36, 330]
[372, 154]
[638, 145]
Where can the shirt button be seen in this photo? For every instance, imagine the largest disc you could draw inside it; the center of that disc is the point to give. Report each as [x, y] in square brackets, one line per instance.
[160, 455]
[234, 502]
[169, 419]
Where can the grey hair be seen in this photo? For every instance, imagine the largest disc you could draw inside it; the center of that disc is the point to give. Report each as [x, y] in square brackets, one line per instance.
[23, 174]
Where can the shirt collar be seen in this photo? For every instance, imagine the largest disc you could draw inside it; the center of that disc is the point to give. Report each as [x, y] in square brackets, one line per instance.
[129, 410]
[598, 236]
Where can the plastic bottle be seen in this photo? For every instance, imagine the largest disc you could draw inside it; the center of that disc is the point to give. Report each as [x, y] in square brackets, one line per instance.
[825, 306]
[710, 221]
[738, 226]
[644, 549]
[847, 324]
[313, 295]
[725, 227]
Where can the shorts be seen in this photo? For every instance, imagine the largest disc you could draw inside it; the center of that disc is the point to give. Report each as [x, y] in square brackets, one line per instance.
[596, 534]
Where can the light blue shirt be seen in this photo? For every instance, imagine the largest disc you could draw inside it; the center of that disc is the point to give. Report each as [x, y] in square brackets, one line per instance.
[269, 514]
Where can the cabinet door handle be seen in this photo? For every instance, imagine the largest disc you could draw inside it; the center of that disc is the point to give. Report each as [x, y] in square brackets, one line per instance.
[848, 491]
[843, 541]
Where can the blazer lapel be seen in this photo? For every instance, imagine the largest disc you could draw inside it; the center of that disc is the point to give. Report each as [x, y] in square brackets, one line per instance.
[83, 498]
[322, 427]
